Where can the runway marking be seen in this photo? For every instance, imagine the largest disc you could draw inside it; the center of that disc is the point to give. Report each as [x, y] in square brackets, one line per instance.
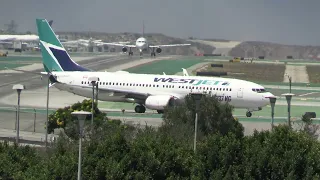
[308, 93]
[13, 82]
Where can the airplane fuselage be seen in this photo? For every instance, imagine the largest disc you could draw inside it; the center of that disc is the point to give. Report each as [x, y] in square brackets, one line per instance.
[142, 44]
[238, 93]
[19, 38]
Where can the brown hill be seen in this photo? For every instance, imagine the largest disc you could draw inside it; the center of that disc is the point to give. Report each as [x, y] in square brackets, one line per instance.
[274, 50]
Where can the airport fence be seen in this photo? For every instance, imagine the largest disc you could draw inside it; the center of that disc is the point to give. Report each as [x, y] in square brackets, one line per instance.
[30, 119]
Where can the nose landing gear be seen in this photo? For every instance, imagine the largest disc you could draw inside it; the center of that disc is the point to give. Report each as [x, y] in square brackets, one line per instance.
[248, 114]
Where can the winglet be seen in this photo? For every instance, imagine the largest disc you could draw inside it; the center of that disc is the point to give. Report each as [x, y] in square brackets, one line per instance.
[185, 72]
[164, 73]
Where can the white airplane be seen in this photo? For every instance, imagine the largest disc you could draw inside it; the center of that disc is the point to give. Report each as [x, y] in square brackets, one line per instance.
[9, 38]
[143, 45]
[146, 90]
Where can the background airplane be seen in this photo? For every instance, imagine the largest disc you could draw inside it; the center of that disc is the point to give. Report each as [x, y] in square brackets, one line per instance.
[143, 45]
[9, 38]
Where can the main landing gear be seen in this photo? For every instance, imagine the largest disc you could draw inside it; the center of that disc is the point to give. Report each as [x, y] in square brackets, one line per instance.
[160, 111]
[153, 54]
[140, 109]
[130, 52]
[248, 114]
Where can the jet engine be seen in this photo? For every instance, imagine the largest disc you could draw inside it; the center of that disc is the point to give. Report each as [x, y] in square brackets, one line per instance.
[158, 50]
[124, 49]
[159, 102]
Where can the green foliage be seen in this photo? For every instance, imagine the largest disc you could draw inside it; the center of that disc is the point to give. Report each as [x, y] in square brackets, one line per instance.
[62, 118]
[281, 154]
[113, 150]
[308, 127]
[213, 117]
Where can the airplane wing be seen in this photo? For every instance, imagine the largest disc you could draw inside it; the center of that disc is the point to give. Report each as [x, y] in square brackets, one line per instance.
[129, 93]
[168, 45]
[122, 45]
[5, 42]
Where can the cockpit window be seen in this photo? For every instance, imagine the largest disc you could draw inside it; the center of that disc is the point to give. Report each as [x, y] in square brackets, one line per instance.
[259, 90]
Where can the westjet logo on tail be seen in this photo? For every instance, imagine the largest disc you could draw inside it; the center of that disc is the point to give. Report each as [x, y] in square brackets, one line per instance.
[191, 81]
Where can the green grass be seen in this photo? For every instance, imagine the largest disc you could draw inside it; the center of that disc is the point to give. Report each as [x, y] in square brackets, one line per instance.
[167, 66]
[281, 111]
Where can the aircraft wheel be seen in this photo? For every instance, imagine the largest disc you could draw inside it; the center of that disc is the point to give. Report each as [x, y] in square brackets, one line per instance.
[248, 114]
[160, 111]
[140, 109]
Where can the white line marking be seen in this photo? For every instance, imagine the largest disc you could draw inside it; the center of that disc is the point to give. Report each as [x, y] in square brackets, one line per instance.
[308, 93]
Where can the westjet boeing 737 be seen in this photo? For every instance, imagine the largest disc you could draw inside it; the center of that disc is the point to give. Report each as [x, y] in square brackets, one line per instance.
[146, 90]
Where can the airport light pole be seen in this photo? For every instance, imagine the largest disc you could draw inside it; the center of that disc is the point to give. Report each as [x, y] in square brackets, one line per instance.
[97, 92]
[197, 97]
[47, 109]
[288, 98]
[18, 88]
[93, 81]
[81, 115]
[273, 100]
[290, 80]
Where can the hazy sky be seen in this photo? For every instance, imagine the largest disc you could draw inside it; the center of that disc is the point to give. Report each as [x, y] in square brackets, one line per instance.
[282, 21]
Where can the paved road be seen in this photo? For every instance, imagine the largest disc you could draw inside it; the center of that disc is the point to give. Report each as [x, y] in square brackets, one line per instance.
[32, 81]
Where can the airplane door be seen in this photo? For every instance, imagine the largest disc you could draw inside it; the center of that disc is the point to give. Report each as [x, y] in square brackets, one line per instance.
[240, 93]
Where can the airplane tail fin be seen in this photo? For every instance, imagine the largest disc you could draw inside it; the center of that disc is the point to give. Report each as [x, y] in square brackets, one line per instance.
[54, 55]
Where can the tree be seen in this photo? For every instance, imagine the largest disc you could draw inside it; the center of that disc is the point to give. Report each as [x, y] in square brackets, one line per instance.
[62, 118]
[307, 126]
[213, 117]
[281, 154]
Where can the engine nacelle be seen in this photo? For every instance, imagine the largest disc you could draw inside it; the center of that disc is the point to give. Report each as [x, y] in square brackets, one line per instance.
[124, 49]
[159, 102]
[158, 50]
